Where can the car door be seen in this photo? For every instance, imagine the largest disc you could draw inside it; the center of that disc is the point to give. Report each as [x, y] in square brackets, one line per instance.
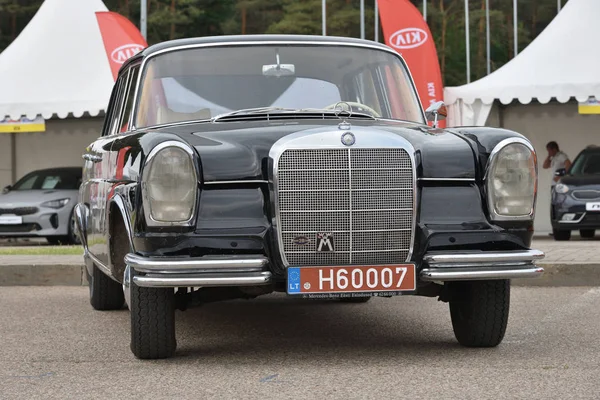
[96, 172]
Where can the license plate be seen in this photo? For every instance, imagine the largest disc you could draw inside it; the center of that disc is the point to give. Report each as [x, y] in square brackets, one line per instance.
[384, 279]
[10, 220]
[592, 206]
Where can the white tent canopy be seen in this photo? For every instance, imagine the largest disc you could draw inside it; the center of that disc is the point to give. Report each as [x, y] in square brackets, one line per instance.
[57, 65]
[561, 63]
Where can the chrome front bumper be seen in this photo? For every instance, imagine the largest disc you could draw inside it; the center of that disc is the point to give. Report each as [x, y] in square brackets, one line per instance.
[196, 272]
[466, 266]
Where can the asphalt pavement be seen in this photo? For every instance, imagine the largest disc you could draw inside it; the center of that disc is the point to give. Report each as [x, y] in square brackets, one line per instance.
[54, 346]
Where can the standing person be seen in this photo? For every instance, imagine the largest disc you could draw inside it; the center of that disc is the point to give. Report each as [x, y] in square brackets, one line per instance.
[556, 160]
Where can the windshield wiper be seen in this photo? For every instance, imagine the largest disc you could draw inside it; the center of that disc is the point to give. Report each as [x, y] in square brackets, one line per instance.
[257, 110]
[282, 110]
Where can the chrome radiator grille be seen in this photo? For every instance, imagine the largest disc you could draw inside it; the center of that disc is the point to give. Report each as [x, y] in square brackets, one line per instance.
[362, 199]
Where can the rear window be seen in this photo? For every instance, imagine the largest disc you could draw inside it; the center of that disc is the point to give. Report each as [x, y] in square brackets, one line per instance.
[50, 180]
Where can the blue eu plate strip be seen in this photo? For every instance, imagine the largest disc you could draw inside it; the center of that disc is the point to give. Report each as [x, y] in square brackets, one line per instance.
[293, 285]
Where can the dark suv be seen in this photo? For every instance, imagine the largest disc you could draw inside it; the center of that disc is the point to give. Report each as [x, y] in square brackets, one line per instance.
[576, 197]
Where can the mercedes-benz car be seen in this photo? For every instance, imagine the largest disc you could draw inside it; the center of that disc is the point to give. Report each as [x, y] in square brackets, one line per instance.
[576, 197]
[41, 204]
[238, 166]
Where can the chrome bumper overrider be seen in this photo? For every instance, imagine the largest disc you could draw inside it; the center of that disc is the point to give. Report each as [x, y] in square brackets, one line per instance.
[197, 272]
[481, 265]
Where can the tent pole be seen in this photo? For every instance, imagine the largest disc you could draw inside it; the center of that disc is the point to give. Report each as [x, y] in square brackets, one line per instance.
[143, 18]
[487, 35]
[324, 17]
[500, 115]
[468, 50]
[376, 36]
[515, 25]
[362, 19]
[13, 157]
[425, 10]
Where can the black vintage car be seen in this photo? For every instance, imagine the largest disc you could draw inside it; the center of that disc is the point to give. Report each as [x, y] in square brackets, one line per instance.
[576, 197]
[233, 167]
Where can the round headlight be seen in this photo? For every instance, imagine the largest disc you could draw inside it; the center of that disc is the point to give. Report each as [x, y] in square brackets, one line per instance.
[171, 185]
[561, 188]
[512, 181]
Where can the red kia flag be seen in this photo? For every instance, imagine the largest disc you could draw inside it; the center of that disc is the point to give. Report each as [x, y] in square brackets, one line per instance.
[121, 38]
[406, 31]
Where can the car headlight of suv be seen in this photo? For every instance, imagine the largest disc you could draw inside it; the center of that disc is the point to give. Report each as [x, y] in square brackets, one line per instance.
[56, 203]
[561, 188]
[511, 180]
[170, 185]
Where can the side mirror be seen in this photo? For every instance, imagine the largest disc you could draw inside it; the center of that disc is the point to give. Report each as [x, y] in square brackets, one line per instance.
[560, 172]
[6, 189]
[436, 112]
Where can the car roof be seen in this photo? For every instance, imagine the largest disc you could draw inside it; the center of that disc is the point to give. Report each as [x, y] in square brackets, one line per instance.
[250, 39]
[73, 170]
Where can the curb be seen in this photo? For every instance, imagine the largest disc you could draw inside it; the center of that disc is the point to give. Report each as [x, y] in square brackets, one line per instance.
[555, 274]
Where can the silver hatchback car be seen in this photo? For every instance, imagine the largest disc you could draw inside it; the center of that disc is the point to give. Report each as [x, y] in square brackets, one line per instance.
[41, 204]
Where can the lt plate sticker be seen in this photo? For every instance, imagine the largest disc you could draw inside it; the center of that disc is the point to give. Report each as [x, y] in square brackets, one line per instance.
[293, 280]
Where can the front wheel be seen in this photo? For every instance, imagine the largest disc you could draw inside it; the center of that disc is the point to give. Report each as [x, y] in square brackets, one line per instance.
[587, 233]
[152, 322]
[561, 235]
[479, 312]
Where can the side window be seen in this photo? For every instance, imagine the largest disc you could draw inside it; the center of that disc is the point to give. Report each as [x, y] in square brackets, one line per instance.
[115, 113]
[129, 93]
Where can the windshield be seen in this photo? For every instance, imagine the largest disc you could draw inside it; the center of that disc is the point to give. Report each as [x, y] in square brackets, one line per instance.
[201, 83]
[586, 164]
[49, 180]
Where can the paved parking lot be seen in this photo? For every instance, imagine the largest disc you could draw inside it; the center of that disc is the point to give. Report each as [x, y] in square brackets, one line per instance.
[55, 346]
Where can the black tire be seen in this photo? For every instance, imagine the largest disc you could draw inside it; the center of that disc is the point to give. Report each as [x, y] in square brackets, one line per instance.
[105, 293]
[479, 312]
[587, 233]
[561, 235]
[55, 240]
[354, 299]
[152, 322]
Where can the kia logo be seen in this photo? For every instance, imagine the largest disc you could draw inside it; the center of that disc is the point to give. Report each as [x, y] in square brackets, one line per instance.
[408, 38]
[123, 53]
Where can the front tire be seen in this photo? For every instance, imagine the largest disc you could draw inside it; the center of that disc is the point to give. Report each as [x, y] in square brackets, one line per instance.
[152, 322]
[561, 235]
[479, 312]
[105, 293]
[587, 233]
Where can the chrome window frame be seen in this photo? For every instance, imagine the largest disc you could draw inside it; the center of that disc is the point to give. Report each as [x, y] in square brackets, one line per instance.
[143, 181]
[332, 43]
[282, 145]
[494, 216]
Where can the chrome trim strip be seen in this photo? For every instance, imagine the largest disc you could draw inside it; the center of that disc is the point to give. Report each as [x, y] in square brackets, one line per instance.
[178, 265]
[100, 266]
[366, 138]
[481, 273]
[449, 179]
[483, 257]
[147, 210]
[491, 161]
[268, 43]
[81, 217]
[203, 280]
[573, 221]
[234, 182]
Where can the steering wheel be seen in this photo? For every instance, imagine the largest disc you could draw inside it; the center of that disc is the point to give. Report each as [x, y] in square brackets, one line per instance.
[359, 107]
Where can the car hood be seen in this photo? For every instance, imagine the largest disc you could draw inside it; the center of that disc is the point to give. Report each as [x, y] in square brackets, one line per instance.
[21, 198]
[240, 151]
[582, 180]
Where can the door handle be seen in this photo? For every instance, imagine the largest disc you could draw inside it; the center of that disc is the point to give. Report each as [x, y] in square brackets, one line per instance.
[91, 157]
